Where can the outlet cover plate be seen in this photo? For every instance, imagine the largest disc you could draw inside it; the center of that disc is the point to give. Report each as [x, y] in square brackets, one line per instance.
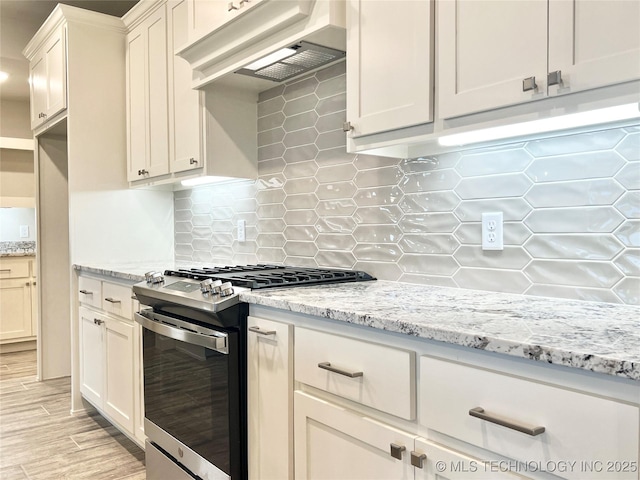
[492, 231]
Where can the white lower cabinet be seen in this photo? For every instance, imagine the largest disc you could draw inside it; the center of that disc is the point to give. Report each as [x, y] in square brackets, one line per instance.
[529, 421]
[18, 300]
[340, 444]
[270, 391]
[106, 365]
[110, 370]
[335, 443]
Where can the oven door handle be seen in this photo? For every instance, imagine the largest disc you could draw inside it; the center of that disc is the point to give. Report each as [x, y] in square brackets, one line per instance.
[154, 321]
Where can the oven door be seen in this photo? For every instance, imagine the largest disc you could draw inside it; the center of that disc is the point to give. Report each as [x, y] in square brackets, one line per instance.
[191, 394]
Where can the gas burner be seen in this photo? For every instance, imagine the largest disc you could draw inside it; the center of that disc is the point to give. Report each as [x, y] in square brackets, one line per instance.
[261, 276]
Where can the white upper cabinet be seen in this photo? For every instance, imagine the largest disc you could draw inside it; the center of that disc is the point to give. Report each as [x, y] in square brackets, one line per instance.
[494, 54]
[147, 100]
[48, 78]
[389, 65]
[593, 44]
[185, 103]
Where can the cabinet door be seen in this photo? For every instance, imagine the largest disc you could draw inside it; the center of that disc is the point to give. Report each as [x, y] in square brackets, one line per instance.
[136, 101]
[119, 372]
[443, 464]
[593, 43]
[56, 60]
[270, 402]
[485, 52]
[91, 356]
[38, 87]
[338, 444]
[390, 64]
[158, 103]
[147, 98]
[185, 111]
[15, 308]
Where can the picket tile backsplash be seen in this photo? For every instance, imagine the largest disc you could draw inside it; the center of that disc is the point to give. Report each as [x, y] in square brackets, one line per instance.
[571, 206]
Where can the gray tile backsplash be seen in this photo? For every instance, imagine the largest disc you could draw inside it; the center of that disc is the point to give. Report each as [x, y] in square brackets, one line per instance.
[571, 206]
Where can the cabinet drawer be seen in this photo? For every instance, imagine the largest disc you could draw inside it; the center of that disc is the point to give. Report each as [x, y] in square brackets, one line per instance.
[372, 374]
[14, 268]
[589, 430]
[116, 299]
[90, 291]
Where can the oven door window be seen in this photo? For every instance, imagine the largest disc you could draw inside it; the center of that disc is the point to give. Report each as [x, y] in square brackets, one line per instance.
[188, 394]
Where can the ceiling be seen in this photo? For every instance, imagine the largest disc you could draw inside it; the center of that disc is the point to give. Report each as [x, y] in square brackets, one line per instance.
[20, 20]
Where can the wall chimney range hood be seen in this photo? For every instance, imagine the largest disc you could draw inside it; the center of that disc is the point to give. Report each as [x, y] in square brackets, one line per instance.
[273, 41]
[292, 61]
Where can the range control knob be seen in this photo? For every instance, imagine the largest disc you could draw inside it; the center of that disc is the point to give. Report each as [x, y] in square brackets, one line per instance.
[226, 289]
[210, 286]
[149, 275]
[156, 278]
[205, 285]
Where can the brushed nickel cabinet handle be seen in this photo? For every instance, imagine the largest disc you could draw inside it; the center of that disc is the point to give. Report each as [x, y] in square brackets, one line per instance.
[231, 6]
[554, 78]
[8, 270]
[193, 161]
[396, 450]
[28, 284]
[143, 172]
[327, 366]
[133, 297]
[262, 332]
[97, 321]
[417, 459]
[347, 127]
[529, 84]
[112, 300]
[479, 412]
[86, 292]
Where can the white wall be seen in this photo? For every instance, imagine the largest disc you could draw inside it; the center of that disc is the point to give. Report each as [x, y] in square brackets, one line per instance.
[10, 221]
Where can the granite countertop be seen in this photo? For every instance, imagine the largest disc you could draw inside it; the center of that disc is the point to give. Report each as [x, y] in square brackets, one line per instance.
[17, 249]
[600, 337]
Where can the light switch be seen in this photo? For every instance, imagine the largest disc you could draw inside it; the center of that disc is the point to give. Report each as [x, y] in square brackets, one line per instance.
[24, 231]
[242, 225]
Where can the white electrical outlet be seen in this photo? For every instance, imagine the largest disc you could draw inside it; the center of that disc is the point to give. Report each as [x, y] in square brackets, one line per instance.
[242, 230]
[24, 231]
[492, 236]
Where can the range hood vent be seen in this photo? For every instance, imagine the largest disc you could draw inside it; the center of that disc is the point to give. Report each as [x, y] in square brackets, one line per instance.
[292, 61]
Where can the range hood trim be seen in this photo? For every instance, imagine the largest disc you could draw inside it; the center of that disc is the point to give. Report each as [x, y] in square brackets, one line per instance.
[216, 57]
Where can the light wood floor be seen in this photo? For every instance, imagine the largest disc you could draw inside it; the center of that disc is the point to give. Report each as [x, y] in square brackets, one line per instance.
[40, 439]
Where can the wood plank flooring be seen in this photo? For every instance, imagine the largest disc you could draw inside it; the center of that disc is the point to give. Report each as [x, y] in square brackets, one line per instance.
[41, 440]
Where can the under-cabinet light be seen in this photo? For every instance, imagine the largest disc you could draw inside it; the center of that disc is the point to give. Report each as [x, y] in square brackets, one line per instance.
[562, 122]
[271, 58]
[192, 182]
[3, 76]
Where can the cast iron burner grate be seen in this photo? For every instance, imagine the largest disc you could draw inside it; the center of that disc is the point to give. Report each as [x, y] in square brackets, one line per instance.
[269, 276]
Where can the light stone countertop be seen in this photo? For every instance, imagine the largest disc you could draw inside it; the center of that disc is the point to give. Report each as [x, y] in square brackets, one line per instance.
[600, 337]
[17, 249]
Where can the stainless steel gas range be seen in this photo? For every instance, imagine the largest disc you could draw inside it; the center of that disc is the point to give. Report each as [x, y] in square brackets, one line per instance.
[194, 361]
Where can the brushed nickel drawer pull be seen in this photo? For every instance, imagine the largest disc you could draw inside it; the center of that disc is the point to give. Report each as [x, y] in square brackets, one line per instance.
[86, 292]
[327, 366]
[417, 459]
[8, 270]
[112, 300]
[133, 297]
[396, 450]
[479, 412]
[97, 321]
[529, 84]
[262, 332]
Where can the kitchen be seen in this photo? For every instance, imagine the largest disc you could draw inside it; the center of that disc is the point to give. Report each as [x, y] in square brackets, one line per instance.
[568, 204]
